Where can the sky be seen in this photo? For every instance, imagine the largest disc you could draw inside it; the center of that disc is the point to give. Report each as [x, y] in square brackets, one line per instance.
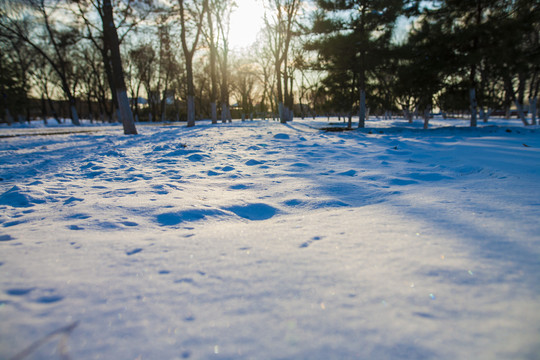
[246, 22]
[248, 19]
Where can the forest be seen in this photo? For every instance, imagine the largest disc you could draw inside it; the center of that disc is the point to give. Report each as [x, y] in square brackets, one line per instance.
[157, 60]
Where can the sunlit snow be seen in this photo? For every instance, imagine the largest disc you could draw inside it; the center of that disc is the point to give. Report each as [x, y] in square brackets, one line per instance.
[258, 240]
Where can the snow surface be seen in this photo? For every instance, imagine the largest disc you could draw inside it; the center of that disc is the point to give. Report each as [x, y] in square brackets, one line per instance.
[257, 240]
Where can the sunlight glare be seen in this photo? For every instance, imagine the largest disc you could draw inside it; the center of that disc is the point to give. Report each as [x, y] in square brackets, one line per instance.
[247, 20]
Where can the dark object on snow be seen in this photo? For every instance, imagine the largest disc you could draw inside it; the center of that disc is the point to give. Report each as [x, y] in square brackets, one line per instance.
[335, 129]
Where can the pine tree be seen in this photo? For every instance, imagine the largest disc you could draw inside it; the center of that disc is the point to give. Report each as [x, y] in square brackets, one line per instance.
[351, 36]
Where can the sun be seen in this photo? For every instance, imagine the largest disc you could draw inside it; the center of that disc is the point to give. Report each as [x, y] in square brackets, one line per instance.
[247, 20]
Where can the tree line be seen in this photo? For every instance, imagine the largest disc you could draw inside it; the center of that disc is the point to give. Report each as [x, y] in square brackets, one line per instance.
[347, 57]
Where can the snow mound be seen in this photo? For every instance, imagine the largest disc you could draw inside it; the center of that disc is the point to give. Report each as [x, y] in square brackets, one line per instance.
[17, 197]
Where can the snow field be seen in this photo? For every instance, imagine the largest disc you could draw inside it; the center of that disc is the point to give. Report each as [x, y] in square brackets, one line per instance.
[258, 240]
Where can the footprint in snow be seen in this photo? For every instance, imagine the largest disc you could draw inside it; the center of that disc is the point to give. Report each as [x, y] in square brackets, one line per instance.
[175, 218]
[72, 200]
[75, 227]
[196, 157]
[239, 187]
[49, 299]
[348, 173]
[134, 251]
[300, 165]
[309, 242]
[6, 238]
[13, 223]
[253, 162]
[402, 182]
[19, 291]
[255, 212]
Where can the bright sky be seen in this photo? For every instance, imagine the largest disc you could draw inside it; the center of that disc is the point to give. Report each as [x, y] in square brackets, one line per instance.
[246, 22]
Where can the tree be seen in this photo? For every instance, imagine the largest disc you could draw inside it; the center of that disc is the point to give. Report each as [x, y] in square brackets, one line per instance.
[424, 60]
[57, 40]
[244, 84]
[350, 44]
[265, 73]
[280, 32]
[517, 31]
[222, 11]
[110, 37]
[143, 58]
[212, 41]
[191, 20]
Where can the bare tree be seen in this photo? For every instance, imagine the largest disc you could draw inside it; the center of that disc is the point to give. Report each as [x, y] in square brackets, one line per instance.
[212, 42]
[280, 25]
[113, 45]
[191, 21]
[222, 11]
[143, 58]
[55, 49]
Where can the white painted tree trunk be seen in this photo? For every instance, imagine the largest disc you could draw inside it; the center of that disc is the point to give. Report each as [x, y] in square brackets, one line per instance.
[362, 114]
[474, 105]
[214, 112]
[487, 114]
[9, 118]
[190, 110]
[533, 107]
[74, 116]
[282, 115]
[224, 111]
[125, 113]
[427, 111]
[521, 114]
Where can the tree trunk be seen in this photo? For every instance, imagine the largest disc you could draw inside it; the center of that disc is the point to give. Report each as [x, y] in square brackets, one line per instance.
[43, 109]
[111, 39]
[281, 110]
[213, 107]
[532, 107]
[164, 105]
[191, 110]
[362, 114]
[427, 111]
[521, 113]
[213, 72]
[9, 117]
[74, 114]
[224, 112]
[472, 98]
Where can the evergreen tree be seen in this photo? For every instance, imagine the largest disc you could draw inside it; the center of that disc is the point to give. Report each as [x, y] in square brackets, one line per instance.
[351, 36]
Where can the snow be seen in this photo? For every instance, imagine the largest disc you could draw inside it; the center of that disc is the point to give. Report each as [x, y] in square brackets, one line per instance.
[258, 240]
